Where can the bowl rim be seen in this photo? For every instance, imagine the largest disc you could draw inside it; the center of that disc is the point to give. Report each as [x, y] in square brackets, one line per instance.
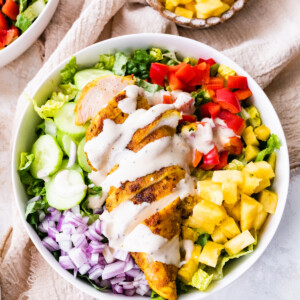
[21, 44]
[151, 38]
[197, 23]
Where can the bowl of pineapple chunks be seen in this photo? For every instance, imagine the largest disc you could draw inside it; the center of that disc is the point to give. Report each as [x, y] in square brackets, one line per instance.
[197, 13]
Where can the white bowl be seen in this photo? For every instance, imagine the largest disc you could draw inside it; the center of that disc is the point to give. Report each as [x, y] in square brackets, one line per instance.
[186, 47]
[25, 40]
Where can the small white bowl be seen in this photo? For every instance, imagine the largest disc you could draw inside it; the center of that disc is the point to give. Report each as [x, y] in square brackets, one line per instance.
[185, 47]
[25, 40]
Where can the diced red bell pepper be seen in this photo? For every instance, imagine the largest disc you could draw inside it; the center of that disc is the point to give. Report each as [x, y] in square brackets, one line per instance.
[6, 37]
[234, 122]
[188, 118]
[167, 99]
[215, 83]
[210, 110]
[234, 145]
[175, 83]
[223, 157]
[243, 94]
[237, 82]
[202, 72]
[211, 159]
[158, 72]
[228, 100]
[3, 22]
[197, 158]
[174, 69]
[209, 61]
[186, 73]
[11, 9]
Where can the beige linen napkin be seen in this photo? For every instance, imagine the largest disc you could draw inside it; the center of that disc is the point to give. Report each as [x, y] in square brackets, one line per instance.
[264, 38]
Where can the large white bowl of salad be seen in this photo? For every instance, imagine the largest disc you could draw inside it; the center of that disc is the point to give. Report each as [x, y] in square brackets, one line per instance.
[150, 165]
[21, 23]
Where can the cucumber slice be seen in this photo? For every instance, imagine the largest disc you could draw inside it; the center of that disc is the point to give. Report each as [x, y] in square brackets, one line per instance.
[74, 167]
[65, 122]
[65, 189]
[82, 160]
[64, 141]
[47, 156]
[83, 77]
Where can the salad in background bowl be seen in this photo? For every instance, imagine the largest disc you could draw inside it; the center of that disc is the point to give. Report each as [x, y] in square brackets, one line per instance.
[21, 23]
[211, 176]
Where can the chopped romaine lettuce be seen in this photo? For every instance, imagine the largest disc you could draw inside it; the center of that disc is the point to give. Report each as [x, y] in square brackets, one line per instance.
[156, 54]
[202, 239]
[190, 60]
[106, 62]
[235, 164]
[272, 144]
[201, 280]
[214, 70]
[148, 87]
[120, 62]
[22, 5]
[23, 23]
[68, 72]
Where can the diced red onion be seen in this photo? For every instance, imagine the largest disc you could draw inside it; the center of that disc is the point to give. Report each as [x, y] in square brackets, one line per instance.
[62, 236]
[79, 240]
[65, 245]
[95, 247]
[50, 244]
[73, 154]
[121, 275]
[129, 265]
[108, 255]
[60, 222]
[78, 257]
[117, 289]
[133, 273]
[34, 199]
[129, 292]
[68, 228]
[85, 220]
[117, 280]
[97, 211]
[142, 289]
[82, 228]
[94, 259]
[75, 272]
[66, 262]
[73, 219]
[94, 234]
[105, 283]
[95, 272]
[84, 269]
[52, 232]
[121, 255]
[113, 269]
[98, 226]
[55, 214]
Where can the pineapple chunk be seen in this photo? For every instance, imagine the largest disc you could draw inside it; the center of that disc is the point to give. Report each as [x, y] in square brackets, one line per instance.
[260, 219]
[236, 211]
[228, 175]
[189, 234]
[230, 194]
[262, 132]
[219, 11]
[272, 160]
[225, 71]
[229, 228]
[260, 169]
[239, 242]
[210, 191]
[249, 210]
[264, 183]
[250, 183]
[183, 2]
[251, 152]
[249, 136]
[218, 236]
[210, 8]
[206, 216]
[171, 4]
[210, 254]
[269, 201]
[191, 6]
[183, 12]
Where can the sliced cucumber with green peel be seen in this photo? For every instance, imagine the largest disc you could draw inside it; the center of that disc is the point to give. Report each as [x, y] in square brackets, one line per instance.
[65, 189]
[74, 167]
[65, 122]
[83, 77]
[47, 156]
[81, 157]
[64, 141]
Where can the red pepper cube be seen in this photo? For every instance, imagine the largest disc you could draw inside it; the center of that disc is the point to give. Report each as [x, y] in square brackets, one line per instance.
[11, 9]
[188, 118]
[202, 73]
[234, 122]
[234, 145]
[210, 110]
[175, 83]
[6, 37]
[197, 158]
[237, 82]
[167, 99]
[186, 73]
[243, 94]
[3, 22]
[211, 159]
[223, 157]
[215, 83]
[228, 100]
[158, 72]
[209, 61]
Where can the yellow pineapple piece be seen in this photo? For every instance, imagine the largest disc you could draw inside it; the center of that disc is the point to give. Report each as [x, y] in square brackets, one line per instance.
[218, 236]
[191, 6]
[272, 160]
[262, 132]
[230, 193]
[236, 211]
[260, 169]
[251, 152]
[210, 254]
[171, 4]
[219, 11]
[269, 201]
[239, 242]
[249, 210]
[249, 137]
[260, 219]
[210, 191]
[227, 175]
[196, 253]
[225, 71]
[229, 228]
[183, 12]
[229, 2]
[189, 234]
[264, 183]
[210, 8]
[250, 183]
[206, 216]
[184, 2]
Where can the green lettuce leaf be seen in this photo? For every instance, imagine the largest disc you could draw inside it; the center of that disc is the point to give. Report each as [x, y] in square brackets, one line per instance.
[202, 239]
[119, 67]
[23, 23]
[214, 70]
[106, 62]
[202, 174]
[272, 144]
[172, 58]
[201, 280]
[190, 60]
[156, 54]
[22, 5]
[149, 87]
[155, 296]
[34, 207]
[68, 72]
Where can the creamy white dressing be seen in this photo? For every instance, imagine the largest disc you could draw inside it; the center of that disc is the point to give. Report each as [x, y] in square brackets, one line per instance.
[128, 105]
[94, 201]
[187, 247]
[157, 97]
[64, 187]
[184, 102]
